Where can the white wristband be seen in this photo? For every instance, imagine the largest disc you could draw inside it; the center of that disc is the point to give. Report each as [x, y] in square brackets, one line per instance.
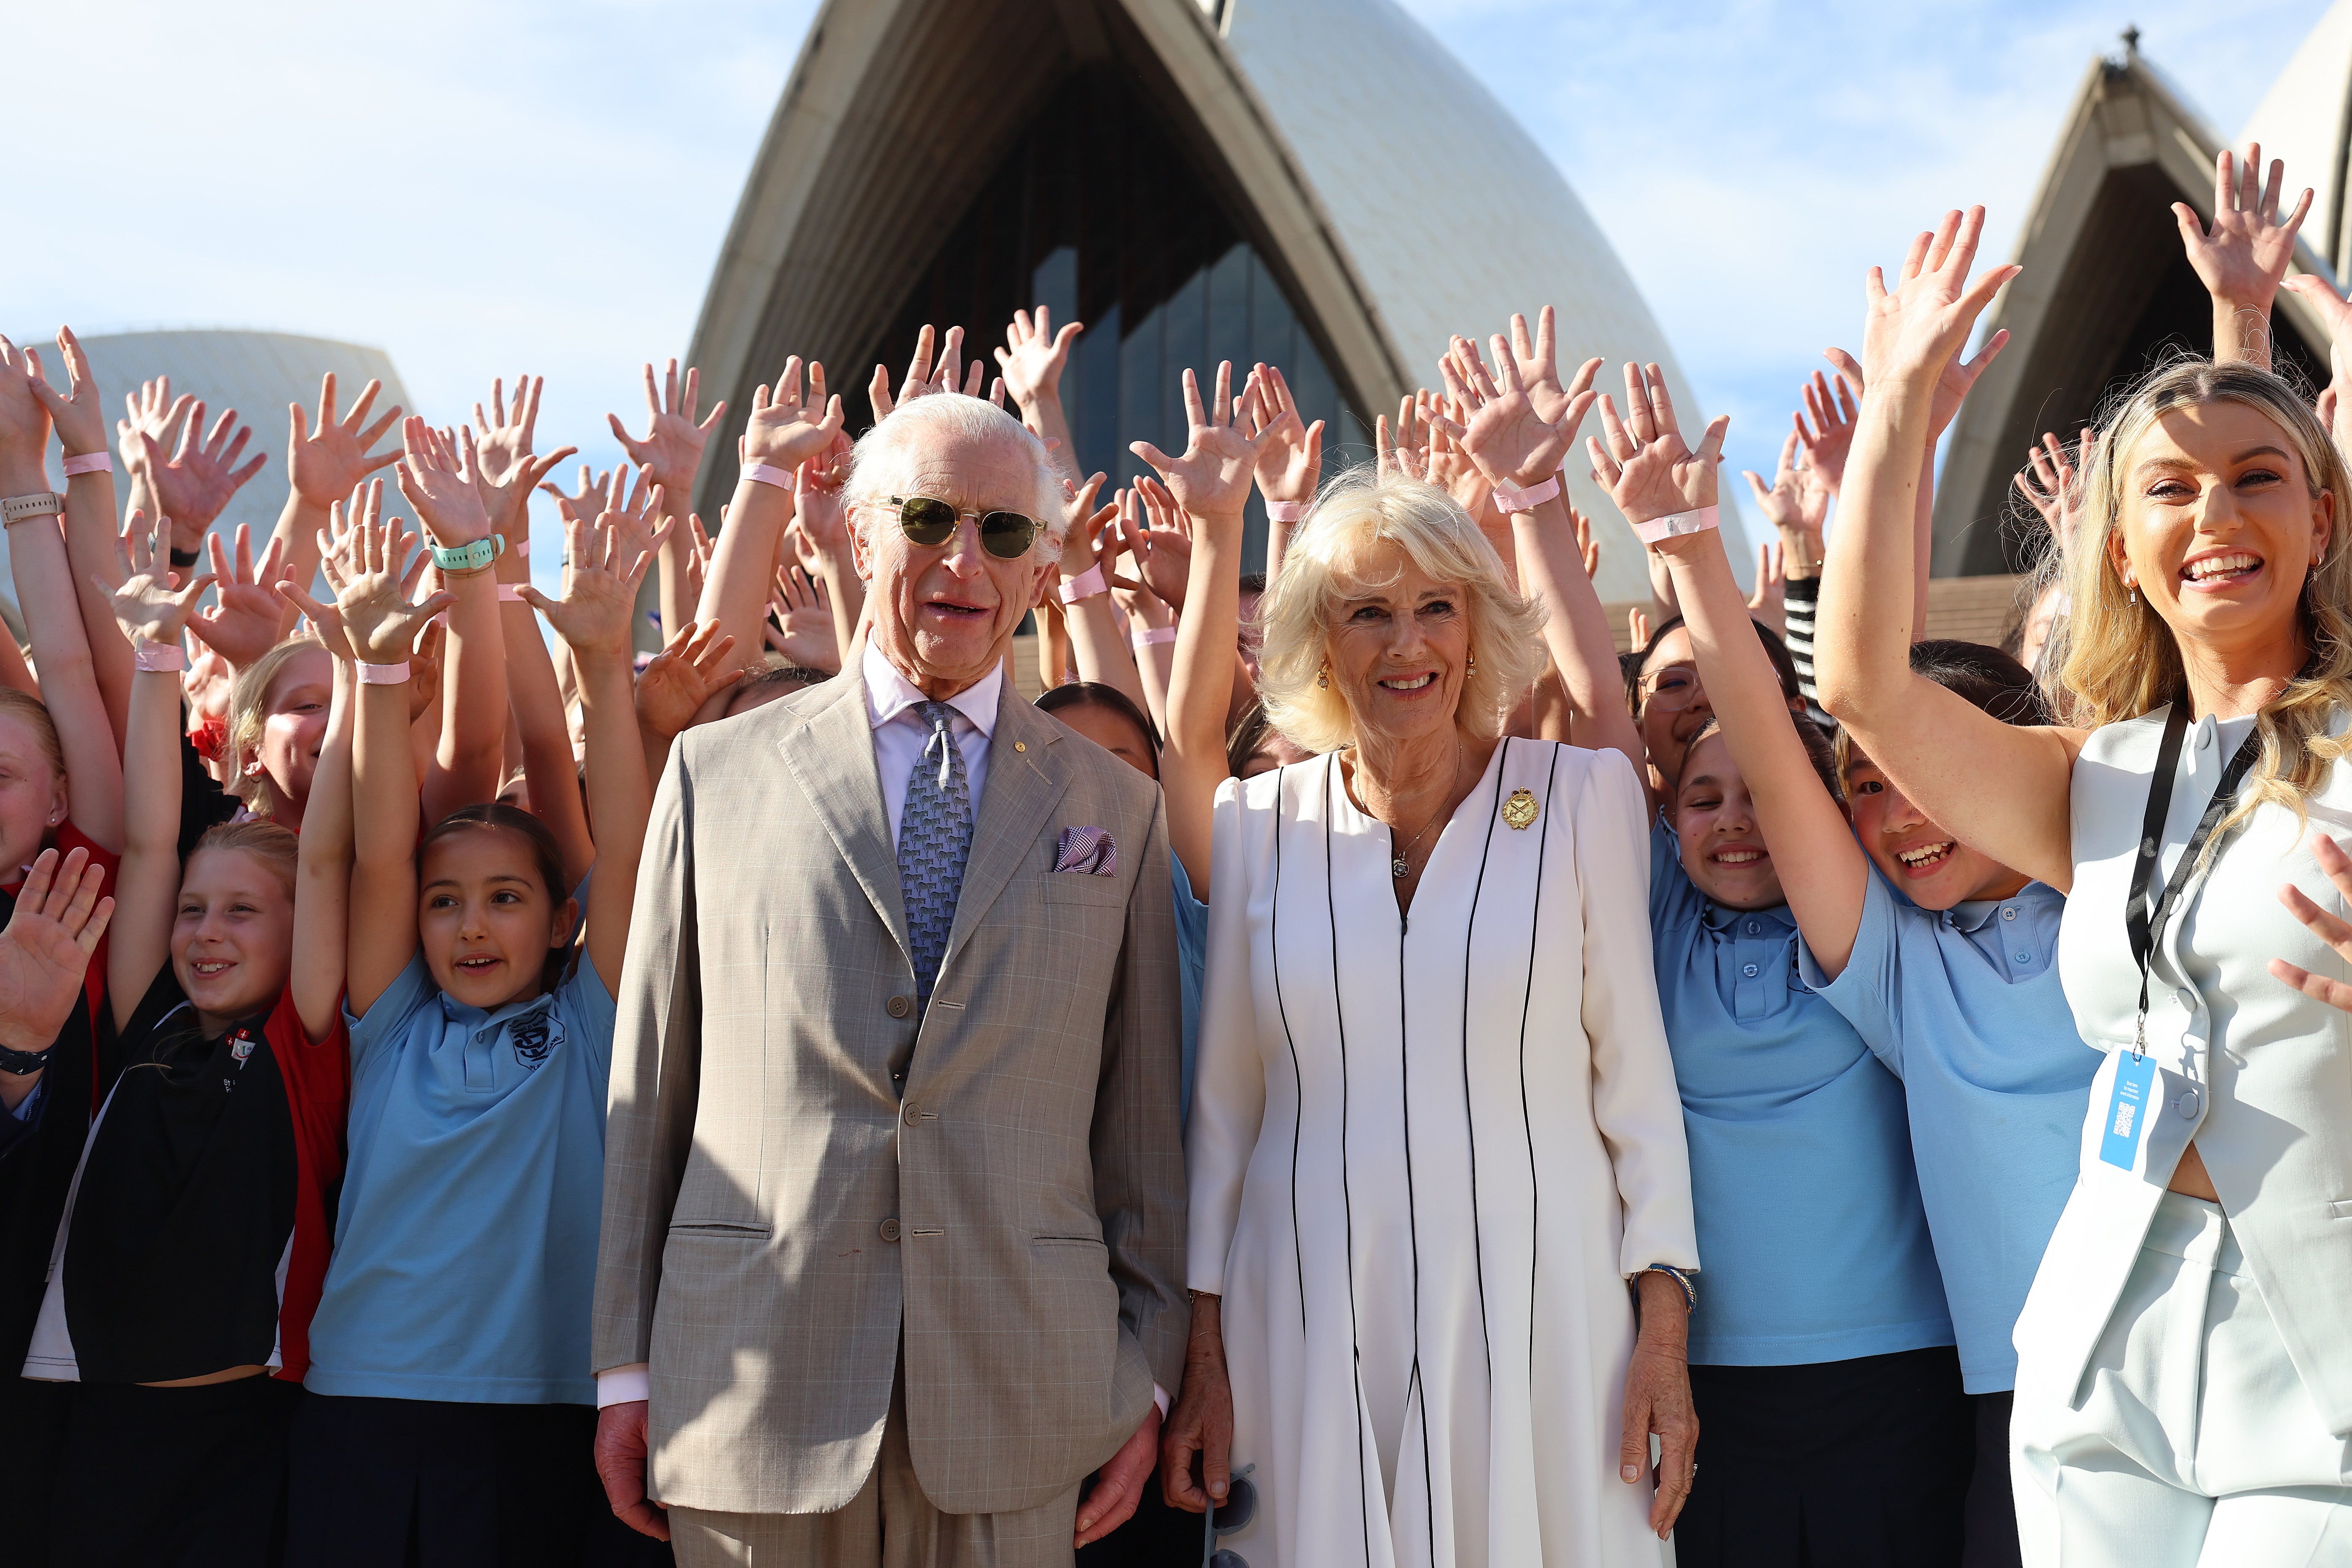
[768, 474]
[509, 593]
[1151, 637]
[90, 463]
[384, 674]
[1676, 525]
[1084, 586]
[1288, 510]
[159, 657]
[1508, 500]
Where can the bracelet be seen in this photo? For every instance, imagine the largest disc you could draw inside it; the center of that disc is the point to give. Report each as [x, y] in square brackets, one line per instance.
[186, 557]
[509, 595]
[1676, 525]
[468, 558]
[1508, 500]
[1288, 510]
[1690, 1290]
[1151, 637]
[384, 674]
[1084, 586]
[768, 474]
[23, 1064]
[15, 509]
[159, 657]
[90, 463]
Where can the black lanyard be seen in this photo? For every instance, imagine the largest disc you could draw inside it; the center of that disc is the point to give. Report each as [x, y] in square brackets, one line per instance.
[2144, 923]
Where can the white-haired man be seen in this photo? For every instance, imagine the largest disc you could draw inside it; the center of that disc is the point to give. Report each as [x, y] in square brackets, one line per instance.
[894, 1194]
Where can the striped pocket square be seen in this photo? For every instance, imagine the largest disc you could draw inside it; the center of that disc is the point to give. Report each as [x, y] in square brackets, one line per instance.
[1087, 849]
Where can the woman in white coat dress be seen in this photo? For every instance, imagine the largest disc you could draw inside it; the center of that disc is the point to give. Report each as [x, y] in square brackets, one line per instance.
[2184, 1379]
[1435, 1128]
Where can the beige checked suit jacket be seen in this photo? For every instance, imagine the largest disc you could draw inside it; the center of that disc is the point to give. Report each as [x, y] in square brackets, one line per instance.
[777, 1221]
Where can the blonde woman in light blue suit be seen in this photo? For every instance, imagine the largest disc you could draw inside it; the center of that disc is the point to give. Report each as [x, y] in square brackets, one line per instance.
[2184, 1387]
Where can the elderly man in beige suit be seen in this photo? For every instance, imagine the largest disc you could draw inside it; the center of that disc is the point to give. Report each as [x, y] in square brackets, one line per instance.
[893, 1193]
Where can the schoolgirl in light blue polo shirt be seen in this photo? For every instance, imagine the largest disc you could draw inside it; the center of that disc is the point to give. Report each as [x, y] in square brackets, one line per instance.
[1834, 1425]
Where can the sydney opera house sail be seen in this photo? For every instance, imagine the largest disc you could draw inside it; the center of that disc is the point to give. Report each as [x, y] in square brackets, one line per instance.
[1253, 179]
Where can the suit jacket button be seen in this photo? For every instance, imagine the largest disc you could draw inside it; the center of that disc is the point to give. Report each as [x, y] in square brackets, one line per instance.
[900, 1007]
[890, 1228]
[913, 1116]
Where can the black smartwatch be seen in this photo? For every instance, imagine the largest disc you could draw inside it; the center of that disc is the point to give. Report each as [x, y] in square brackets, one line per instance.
[22, 1063]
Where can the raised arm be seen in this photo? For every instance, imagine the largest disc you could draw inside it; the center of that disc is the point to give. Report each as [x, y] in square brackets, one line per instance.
[89, 521]
[1652, 473]
[1089, 544]
[151, 615]
[784, 432]
[322, 879]
[439, 483]
[381, 624]
[600, 598]
[1031, 364]
[2242, 258]
[1519, 450]
[2000, 788]
[1290, 463]
[51, 608]
[325, 462]
[696, 666]
[45, 953]
[1211, 483]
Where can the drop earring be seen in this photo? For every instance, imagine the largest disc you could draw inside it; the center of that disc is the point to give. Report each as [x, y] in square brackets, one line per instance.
[1473, 664]
[1323, 679]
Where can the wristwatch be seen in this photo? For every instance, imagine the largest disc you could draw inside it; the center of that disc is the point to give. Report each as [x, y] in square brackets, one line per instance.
[23, 1063]
[1690, 1289]
[15, 509]
[471, 557]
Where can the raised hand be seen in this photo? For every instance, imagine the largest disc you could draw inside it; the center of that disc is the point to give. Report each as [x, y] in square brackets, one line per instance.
[923, 379]
[803, 628]
[1290, 462]
[1587, 549]
[600, 590]
[1825, 427]
[197, 481]
[1537, 364]
[819, 517]
[146, 606]
[153, 412]
[373, 578]
[1083, 523]
[673, 443]
[248, 613]
[80, 423]
[1769, 602]
[2047, 483]
[505, 471]
[1452, 469]
[24, 418]
[2245, 254]
[639, 522]
[593, 496]
[338, 542]
[1034, 356]
[1212, 479]
[1163, 552]
[439, 483]
[1919, 327]
[1649, 470]
[327, 463]
[785, 431]
[1512, 443]
[45, 948]
[1796, 509]
[690, 669]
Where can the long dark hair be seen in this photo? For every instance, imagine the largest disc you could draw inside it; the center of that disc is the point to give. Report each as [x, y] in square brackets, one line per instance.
[492, 815]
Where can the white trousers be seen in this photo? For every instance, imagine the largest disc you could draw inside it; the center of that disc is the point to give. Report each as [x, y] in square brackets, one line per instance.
[2189, 1439]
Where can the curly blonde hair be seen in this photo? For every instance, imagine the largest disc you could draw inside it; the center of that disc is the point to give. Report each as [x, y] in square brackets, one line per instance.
[2119, 660]
[1357, 512]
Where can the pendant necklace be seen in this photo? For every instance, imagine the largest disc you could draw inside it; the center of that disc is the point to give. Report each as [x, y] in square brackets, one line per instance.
[1399, 866]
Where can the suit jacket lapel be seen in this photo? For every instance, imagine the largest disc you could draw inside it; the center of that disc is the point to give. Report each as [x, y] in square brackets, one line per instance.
[831, 756]
[1026, 778]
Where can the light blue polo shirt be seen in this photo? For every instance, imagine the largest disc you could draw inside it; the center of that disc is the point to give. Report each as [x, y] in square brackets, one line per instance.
[1812, 1246]
[1192, 967]
[1964, 1006]
[466, 1240]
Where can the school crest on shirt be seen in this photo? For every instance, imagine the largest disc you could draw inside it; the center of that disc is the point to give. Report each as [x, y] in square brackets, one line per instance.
[240, 1050]
[534, 1036]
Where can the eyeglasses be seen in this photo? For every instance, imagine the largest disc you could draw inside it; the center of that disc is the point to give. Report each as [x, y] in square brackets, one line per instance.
[1234, 1513]
[932, 522]
[1674, 688]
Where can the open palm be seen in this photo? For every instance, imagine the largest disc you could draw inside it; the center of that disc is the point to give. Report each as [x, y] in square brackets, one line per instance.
[46, 947]
[1213, 478]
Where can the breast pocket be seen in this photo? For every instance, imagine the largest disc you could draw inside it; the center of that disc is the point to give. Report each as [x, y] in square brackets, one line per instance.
[1085, 888]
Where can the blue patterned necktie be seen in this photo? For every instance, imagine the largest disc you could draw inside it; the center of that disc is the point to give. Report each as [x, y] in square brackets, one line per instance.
[934, 839]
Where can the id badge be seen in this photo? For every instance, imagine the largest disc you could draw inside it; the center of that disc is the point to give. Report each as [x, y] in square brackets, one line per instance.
[2128, 1108]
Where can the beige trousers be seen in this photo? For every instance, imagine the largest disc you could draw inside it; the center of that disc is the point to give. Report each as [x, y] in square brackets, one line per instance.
[889, 1524]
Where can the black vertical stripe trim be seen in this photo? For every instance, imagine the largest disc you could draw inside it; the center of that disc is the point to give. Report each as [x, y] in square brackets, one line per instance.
[1298, 1080]
[1412, 1206]
[1526, 1123]
[1469, 1111]
[1347, 1198]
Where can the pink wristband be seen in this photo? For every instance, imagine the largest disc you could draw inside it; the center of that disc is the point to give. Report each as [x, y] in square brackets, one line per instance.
[509, 595]
[90, 463]
[522, 547]
[384, 674]
[1288, 510]
[161, 658]
[1508, 500]
[1151, 635]
[768, 474]
[1676, 525]
[1084, 586]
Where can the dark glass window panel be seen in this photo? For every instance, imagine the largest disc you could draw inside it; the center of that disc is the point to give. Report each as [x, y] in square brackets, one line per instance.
[1097, 213]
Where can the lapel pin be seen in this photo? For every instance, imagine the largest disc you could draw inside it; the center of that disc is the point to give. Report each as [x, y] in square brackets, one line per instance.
[1521, 810]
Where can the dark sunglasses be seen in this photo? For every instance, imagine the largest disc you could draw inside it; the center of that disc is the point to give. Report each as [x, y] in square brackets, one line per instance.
[1234, 1513]
[1006, 535]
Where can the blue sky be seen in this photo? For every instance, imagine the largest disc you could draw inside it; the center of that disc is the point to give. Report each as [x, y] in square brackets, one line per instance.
[486, 189]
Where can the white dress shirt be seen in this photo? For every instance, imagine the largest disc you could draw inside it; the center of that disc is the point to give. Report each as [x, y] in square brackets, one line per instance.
[900, 734]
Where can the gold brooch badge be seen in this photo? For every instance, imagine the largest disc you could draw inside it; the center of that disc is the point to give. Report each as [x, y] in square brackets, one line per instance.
[1519, 811]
